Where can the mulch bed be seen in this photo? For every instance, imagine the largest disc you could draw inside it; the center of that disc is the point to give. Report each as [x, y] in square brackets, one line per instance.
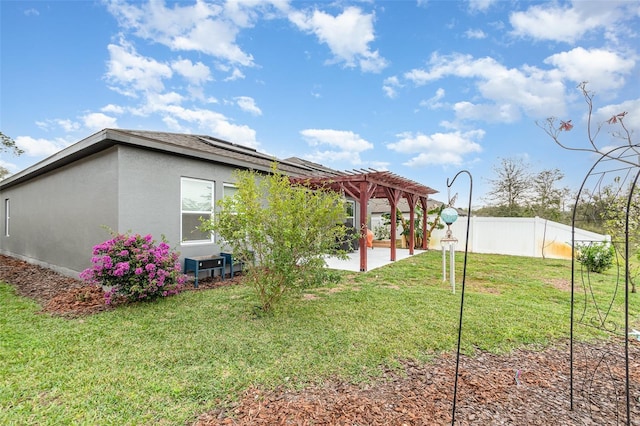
[69, 297]
[526, 387]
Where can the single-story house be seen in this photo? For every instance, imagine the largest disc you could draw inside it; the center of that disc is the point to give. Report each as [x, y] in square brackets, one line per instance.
[145, 182]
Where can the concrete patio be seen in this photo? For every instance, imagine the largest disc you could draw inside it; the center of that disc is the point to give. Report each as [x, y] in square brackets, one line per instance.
[376, 258]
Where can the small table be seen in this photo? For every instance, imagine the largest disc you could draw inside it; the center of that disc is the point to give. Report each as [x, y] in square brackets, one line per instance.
[205, 263]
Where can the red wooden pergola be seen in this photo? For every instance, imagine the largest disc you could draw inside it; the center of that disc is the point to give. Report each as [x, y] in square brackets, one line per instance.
[364, 185]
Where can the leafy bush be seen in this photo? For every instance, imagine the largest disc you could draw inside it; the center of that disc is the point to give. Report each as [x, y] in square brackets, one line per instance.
[285, 229]
[135, 267]
[382, 232]
[596, 257]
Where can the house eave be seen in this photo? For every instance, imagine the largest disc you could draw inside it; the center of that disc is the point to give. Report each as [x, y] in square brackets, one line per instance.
[107, 138]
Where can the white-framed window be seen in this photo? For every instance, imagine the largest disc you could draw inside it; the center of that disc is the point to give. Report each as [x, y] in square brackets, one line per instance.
[196, 198]
[6, 217]
[229, 190]
[350, 207]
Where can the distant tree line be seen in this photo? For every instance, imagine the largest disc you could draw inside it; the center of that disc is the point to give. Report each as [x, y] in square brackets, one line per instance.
[517, 191]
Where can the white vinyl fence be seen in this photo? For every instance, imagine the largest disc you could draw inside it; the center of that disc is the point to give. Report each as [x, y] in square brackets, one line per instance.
[533, 237]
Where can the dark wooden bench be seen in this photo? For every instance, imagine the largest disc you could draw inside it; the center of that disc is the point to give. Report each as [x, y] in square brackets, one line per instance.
[205, 263]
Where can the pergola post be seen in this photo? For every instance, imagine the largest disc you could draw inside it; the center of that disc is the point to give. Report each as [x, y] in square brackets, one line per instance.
[364, 201]
[412, 212]
[424, 202]
[393, 195]
[392, 244]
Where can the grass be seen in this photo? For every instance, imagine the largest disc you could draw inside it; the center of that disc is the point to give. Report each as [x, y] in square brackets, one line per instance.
[168, 361]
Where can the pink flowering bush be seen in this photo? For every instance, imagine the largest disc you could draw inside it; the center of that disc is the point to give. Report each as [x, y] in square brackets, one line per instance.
[135, 267]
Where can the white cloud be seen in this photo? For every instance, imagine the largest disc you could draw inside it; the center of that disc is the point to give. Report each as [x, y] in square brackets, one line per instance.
[349, 145]
[113, 109]
[248, 104]
[196, 73]
[550, 21]
[390, 86]
[480, 5]
[603, 69]
[157, 102]
[536, 92]
[631, 120]
[236, 74]
[216, 38]
[174, 125]
[40, 147]
[438, 148]
[343, 139]
[68, 125]
[475, 34]
[245, 12]
[132, 73]
[380, 165]
[65, 124]
[212, 122]
[434, 101]
[99, 121]
[11, 167]
[347, 35]
[334, 157]
[492, 113]
[202, 27]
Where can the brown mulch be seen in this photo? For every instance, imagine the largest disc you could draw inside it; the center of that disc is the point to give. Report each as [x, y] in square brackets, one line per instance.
[526, 387]
[69, 297]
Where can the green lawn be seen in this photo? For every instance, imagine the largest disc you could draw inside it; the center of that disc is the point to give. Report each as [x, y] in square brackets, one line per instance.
[168, 361]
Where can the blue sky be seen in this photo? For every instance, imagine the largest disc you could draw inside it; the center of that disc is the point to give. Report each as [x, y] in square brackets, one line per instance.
[421, 88]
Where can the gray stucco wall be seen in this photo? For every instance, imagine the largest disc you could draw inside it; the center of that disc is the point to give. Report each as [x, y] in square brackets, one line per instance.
[52, 217]
[150, 194]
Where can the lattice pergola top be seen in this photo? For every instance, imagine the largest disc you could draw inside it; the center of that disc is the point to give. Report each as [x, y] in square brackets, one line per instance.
[378, 183]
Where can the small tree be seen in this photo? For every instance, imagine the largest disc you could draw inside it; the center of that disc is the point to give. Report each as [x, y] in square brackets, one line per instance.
[623, 213]
[7, 144]
[511, 188]
[548, 201]
[612, 205]
[281, 231]
[435, 223]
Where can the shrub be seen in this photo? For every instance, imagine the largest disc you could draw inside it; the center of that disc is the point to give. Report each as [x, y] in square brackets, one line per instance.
[286, 229]
[596, 257]
[135, 267]
[382, 232]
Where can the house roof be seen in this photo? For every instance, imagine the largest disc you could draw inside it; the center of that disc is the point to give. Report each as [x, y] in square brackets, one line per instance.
[216, 150]
[187, 145]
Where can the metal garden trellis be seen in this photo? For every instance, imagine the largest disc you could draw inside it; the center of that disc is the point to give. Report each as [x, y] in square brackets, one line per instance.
[620, 165]
[597, 312]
